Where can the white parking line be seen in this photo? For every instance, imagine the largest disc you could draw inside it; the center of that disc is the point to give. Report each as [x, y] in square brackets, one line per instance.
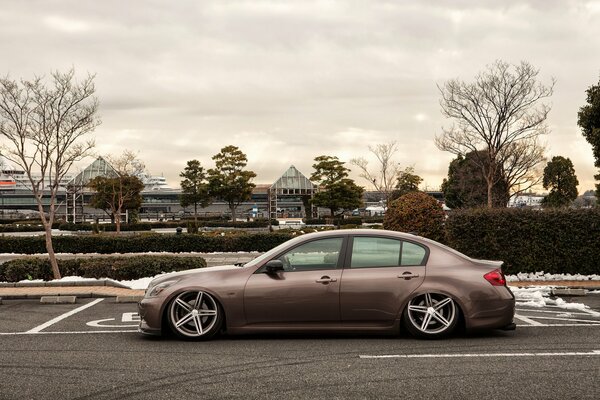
[37, 329]
[591, 321]
[528, 320]
[64, 333]
[471, 355]
[554, 325]
[554, 312]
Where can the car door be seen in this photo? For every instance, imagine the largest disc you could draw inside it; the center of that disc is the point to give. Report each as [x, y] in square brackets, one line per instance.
[379, 274]
[305, 292]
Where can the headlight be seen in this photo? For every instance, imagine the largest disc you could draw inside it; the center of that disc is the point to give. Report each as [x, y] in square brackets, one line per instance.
[157, 289]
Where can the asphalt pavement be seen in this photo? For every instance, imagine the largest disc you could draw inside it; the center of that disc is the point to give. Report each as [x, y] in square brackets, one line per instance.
[91, 350]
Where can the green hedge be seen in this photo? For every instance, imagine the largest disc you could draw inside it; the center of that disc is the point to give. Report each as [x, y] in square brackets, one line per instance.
[336, 221]
[138, 227]
[553, 241]
[118, 268]
[171, 243]
[22, 228]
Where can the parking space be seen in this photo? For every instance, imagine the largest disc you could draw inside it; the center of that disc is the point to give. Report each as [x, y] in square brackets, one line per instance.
[87, 316]
[575, 311]
[104, 315]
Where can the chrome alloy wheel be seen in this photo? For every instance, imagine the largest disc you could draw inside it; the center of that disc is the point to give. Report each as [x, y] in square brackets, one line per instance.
[432, 314]
[194, 314]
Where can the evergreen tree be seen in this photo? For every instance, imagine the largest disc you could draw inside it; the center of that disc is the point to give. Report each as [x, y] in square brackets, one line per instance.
[589, 121]
[407, 182]
[560, 178]
[229, 180]
[336, 190]
[194, 188]
[466, 188]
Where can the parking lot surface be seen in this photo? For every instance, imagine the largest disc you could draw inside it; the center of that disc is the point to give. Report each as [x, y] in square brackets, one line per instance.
[91, 350]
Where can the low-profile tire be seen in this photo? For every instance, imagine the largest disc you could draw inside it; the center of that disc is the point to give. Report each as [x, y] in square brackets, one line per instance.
[195, 315]
[431, 316]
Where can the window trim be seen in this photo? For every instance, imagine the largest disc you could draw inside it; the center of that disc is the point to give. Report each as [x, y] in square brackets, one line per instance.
[350, 246]
[340, 262]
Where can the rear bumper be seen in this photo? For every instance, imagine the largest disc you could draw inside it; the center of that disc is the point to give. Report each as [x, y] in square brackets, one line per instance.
[495, 313]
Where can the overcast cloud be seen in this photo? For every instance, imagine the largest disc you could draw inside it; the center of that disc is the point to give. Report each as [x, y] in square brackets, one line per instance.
[287, 81]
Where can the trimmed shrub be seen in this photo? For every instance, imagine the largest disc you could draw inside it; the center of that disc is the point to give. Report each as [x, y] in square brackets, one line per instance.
[22, 228]
[118, 268]
[154, 242]
[553, 241]
[350, 221]
[315, 221]
[418, 213]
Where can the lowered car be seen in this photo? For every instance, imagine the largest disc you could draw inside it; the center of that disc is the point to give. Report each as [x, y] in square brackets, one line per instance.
[342, 280]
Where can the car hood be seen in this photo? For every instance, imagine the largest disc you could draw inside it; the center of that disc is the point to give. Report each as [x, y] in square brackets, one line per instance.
[191, 272]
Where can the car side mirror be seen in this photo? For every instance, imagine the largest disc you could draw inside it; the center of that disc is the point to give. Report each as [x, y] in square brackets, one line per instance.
[273, 266]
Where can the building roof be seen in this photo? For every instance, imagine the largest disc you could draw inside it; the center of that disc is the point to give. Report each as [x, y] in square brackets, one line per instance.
[293, 179]
[100, 167]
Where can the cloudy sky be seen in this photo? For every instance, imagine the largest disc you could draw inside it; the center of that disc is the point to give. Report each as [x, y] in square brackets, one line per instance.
[287, 81]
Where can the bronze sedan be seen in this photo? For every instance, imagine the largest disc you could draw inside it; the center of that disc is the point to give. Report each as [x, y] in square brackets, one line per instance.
[343, 280]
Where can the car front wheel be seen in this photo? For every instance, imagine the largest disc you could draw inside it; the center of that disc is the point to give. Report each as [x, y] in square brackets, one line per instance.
[431, 315]
[195, 315]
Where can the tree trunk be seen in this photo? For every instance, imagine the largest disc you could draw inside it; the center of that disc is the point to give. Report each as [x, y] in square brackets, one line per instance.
[118, 221]
[232, 208]
[50, 250]
[196, 216]
[490, 186]
[48, 234]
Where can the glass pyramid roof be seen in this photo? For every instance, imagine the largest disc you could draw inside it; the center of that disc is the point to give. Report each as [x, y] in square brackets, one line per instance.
[100, 167]
[293, 179]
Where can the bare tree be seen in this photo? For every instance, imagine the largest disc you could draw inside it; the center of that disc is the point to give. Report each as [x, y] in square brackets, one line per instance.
[44, 128]
[502, 113]
[522, 165]
[388, 171]
[115, 194]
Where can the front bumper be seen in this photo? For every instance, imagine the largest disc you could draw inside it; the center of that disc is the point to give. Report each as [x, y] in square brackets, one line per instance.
[150, 311]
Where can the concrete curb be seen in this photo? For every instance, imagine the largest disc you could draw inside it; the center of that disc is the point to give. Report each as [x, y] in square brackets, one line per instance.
[83, 295]
[58, 299]
[99, 282]
[128, 299]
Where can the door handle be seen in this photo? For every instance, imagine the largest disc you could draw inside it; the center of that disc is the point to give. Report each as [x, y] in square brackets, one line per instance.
[408, 275]
[326, 279]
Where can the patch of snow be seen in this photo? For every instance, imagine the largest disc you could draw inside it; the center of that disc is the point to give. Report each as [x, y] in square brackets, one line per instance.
[539, 296]
[142, 283]
[543, 277]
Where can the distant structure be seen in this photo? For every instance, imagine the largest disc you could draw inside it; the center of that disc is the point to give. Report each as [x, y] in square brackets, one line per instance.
[77, 187]
[154, 182]
[292, 186]
[532, 200]
[12, 178]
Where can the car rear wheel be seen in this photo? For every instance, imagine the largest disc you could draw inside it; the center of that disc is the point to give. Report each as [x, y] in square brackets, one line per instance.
[431, 315]
[195, 315]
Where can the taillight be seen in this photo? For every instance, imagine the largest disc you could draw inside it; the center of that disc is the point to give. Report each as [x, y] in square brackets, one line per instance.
[496, 277]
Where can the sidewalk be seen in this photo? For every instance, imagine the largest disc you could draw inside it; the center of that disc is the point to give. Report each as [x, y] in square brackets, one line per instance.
[35, 290]
[81, 289]
[108, 288]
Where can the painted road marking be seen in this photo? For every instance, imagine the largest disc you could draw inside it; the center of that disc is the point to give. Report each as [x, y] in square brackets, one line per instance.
[564, 317]
[130, 317]
[472, 355]
[591, 321]
[127, 317]
[66, 333]
[37, 329]
[528, 320]
[554, 312]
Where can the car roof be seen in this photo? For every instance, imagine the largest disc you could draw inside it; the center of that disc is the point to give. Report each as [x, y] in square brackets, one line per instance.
[368, 232]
